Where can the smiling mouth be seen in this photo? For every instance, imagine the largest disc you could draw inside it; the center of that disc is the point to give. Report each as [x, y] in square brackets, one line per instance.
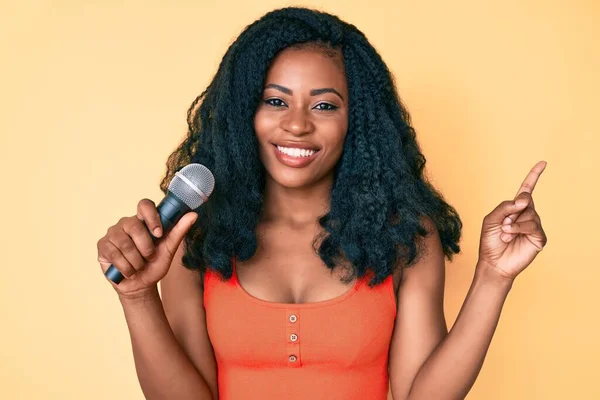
[296, 152]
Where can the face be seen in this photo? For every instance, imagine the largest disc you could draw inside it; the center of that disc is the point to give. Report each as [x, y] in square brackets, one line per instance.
[302, 120]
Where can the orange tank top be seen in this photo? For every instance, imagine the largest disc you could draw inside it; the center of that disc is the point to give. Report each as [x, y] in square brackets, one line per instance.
[332, 349]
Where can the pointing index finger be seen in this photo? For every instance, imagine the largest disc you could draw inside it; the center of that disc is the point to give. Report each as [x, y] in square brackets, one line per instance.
[532, 177]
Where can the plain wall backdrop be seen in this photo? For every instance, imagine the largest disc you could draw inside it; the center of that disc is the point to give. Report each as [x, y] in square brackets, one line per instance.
[94, 97]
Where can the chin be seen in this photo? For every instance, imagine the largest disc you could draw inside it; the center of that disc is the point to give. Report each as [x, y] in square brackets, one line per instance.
[292, 179]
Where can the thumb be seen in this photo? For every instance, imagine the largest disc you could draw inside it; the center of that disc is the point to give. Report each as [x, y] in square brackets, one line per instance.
[503, 210]
[175, 236]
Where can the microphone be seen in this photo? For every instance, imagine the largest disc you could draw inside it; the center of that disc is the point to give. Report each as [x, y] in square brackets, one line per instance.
[188, 190]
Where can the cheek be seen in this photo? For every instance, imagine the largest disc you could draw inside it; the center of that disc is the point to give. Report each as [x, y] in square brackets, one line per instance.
[263, 129]
[337, 139]
[263, 125]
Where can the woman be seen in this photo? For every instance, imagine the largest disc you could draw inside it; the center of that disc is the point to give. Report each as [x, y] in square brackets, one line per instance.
[316, 268]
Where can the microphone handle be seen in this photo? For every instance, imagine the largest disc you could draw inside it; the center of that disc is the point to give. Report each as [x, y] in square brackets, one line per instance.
[170, 210]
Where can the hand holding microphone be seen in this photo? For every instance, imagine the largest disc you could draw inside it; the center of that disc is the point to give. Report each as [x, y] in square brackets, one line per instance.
[137, 254]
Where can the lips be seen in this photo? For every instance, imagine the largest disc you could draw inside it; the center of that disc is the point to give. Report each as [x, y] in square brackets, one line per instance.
[293, 161]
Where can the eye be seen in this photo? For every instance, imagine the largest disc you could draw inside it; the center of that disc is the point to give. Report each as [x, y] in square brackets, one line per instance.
[327, 107]
[274, 102]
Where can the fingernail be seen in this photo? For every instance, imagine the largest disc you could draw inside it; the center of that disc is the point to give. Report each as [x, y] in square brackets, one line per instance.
[157, 232]
[507, 220]
[521, 203]
[506, 227]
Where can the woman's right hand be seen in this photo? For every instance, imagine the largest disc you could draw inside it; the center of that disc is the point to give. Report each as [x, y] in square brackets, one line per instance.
[129, 247]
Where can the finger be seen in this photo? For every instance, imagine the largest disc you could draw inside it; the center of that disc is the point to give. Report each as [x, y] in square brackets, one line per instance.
[109, 253]
[532, 177]
[540, 235]
[141, 238]
[104, 263]
[531, 228]
[175, 236]
[503, 210]
[147, 212]
[526, 189]
[528, 214]
[526, 198]
[122, 241]
[525, 215]
[524, 227]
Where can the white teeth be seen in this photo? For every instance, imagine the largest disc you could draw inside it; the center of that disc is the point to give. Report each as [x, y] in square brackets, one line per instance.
[295, 152]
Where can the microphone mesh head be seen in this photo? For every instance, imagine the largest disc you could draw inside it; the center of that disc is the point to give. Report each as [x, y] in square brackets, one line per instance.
[193, 184]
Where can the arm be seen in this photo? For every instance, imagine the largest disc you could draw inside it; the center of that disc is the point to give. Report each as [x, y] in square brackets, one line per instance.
[163, 364]
[450, 371]
[427, 362]
[164, 371]
[420, 323]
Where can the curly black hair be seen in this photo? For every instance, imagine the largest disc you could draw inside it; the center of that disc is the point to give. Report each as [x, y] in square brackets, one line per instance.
[380, 197]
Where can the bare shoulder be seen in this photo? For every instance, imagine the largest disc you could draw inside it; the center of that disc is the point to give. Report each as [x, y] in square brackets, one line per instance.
[430, 243]
[182, 293]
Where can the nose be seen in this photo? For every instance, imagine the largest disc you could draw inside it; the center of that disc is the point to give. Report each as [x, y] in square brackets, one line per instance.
[297, 122]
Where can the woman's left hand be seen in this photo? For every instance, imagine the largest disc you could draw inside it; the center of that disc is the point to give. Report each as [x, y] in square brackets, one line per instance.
[512, 235]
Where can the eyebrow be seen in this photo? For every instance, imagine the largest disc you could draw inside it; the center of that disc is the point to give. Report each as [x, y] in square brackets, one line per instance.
[313, 92]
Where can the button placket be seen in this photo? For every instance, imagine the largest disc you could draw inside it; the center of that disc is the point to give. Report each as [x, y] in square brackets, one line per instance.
[292, 337]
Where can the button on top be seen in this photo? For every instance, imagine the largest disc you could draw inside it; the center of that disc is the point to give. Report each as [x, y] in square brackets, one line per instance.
[293, 337]
[292, 358]
[293, 318]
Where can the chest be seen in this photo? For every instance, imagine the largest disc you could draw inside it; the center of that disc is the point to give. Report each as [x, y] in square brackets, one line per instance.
[348, 331]
[286, 269]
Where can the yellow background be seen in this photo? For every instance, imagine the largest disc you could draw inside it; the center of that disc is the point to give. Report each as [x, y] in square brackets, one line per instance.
[93, 100]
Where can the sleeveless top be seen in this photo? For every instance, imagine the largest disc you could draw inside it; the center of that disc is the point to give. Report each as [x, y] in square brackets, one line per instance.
[332, 349]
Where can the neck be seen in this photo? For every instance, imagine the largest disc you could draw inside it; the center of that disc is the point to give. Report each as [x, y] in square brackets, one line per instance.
[296, 206]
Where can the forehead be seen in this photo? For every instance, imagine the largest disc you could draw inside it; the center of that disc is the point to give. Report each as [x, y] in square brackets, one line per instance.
[308, 67]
